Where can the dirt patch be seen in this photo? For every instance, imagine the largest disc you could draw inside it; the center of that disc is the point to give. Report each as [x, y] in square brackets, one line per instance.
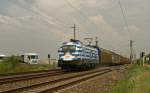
[100, 84]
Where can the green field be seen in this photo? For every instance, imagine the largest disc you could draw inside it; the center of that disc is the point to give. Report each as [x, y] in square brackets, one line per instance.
[137, 81]
[13, 65]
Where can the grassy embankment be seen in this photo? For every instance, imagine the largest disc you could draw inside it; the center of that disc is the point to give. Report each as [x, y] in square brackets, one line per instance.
[13, 65]
[137, 81]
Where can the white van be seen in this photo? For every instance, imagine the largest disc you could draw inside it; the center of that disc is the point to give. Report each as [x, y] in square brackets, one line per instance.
[2, 57]
[30, 58]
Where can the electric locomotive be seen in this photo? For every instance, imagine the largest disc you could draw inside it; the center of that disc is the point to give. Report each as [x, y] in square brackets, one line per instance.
[76, 55]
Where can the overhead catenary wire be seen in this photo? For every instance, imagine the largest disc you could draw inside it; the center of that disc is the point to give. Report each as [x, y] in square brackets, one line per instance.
[124, 16]
[127, 25]
[72, 6]
[83, 14]
[43, 15]
[60, 24]
[76, 9]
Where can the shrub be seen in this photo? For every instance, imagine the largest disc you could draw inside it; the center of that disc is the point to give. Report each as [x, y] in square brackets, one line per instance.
[9, 64]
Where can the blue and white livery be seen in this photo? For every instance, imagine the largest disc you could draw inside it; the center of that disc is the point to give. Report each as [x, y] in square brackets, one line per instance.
[75, 54]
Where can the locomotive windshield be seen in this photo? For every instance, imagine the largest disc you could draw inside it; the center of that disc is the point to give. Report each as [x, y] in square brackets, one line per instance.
[69, 48]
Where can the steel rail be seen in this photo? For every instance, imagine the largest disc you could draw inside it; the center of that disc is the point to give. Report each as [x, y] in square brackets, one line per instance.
[55, 81]
[19, 77]
[54, 89]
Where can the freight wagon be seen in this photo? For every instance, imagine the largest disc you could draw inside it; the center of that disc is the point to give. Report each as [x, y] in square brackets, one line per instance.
[111, 58]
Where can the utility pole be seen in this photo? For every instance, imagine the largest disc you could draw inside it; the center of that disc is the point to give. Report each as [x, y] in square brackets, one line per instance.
[49, 56]
[131, 51]
[74, 31]
[143, 58]
[96, 41]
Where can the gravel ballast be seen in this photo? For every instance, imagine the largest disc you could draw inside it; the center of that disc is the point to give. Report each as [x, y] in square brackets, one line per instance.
[100, 84]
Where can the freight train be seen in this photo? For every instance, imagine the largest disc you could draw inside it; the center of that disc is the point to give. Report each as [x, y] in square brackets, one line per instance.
[76, 55]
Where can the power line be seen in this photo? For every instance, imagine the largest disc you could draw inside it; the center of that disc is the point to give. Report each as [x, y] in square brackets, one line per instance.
[127, 25]
[85, 15]
[42, 14]
[124, 15]
[72, 6]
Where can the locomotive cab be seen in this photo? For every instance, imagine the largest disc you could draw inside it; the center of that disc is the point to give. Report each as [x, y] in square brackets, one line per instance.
[68, 51]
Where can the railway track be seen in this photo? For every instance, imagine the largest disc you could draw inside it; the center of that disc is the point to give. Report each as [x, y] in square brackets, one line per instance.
[21, 73]
[15, 81]
[57, 84]
[26, 76]
[72, 81]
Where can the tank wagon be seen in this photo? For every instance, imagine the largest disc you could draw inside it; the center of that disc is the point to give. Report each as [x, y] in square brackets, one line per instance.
[76, 55]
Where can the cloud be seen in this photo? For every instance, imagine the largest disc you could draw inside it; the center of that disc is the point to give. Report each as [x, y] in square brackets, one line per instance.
[7, 20]
[135, 29]
[52, 19]
[109, 37]
[98, 19]
[90, 3]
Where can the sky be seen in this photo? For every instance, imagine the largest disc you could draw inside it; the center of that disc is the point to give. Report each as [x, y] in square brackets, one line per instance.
[41, 26]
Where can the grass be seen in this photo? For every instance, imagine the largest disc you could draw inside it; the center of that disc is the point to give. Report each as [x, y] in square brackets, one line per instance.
[13, 65]
[137, 81]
